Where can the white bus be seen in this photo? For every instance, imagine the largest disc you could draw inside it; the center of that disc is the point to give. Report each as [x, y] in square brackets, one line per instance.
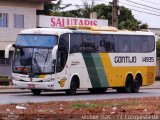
[83, 57]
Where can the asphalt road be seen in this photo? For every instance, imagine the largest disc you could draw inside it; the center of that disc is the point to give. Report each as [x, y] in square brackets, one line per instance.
[8, 98]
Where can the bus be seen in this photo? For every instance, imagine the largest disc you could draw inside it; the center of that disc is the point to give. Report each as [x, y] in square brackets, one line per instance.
[83, 57]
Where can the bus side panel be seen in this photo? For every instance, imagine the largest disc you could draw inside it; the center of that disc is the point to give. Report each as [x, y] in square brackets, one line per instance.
[77, 67]
[96, 70]
[117, 72]
[110, 71]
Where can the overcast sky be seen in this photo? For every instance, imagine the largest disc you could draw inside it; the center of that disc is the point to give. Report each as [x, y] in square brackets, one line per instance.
[153, 7]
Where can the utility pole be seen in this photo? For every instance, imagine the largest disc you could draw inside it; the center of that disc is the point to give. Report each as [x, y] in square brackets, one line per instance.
[115, 13]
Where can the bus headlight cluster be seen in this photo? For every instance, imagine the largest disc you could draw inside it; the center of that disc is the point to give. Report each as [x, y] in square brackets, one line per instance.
[48, 80]
[15, 78]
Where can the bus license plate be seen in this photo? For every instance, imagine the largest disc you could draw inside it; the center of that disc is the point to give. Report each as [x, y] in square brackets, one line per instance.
[31, 85]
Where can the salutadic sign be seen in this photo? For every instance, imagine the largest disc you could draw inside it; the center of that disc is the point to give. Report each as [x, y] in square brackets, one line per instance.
[60, 22]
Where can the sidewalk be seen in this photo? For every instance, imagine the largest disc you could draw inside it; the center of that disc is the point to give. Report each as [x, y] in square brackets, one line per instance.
[156, 85]
[11, 89]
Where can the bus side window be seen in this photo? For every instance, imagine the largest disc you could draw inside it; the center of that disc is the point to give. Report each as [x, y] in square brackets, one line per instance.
[75, 42]
[88, 43]
[107, 44]
[136, 43]
[62, 53]
[102, 48]
[148, 44]
[124, 43]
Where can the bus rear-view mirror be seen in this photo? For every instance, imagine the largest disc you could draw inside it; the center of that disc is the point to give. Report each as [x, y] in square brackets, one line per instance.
[7, 50]
[54, 52]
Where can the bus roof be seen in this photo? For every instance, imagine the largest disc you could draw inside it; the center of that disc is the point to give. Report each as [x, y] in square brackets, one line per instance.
[96, 30]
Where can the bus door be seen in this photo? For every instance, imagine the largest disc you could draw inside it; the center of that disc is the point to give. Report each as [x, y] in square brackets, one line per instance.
[62, 70]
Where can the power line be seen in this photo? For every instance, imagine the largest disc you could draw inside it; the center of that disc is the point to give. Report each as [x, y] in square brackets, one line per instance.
[155, 3]
[140, 7]
[130, 9]
[145, 12]
[143, 5]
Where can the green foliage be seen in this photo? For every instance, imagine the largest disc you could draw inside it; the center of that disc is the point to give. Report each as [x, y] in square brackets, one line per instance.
[158, 48]
[57, 6]
[53, 8]
[80, 105]
[127, 20]
[144, 26]
[87, 9]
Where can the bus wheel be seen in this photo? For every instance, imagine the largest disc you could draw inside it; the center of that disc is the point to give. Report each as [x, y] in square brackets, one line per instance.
[129, 84]
[36, 91]
[136, 85]
[73, 87]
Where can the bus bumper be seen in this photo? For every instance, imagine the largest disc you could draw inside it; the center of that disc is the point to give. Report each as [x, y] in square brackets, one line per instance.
[34, 85]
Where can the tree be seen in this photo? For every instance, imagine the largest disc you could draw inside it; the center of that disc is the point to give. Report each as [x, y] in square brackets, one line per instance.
[126, 18]
[104, 12]
[50, 8]
[87, 9]
[144, 26]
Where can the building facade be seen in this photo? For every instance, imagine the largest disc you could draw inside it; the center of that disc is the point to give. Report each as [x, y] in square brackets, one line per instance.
[15, 15]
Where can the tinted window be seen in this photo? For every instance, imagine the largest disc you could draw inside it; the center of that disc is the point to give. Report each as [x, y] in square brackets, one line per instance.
[124, 43]
[147, 43]
[62, 53]
[84, 43]
[36, 40]
[76, 41]
[88, 43]
[111, 43]
[64, 43]
[136, 43]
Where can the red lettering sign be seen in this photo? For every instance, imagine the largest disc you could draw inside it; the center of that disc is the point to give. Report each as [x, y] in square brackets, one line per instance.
[62, 22]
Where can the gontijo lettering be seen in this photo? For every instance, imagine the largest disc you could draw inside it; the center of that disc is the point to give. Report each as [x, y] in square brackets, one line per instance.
[125, 59]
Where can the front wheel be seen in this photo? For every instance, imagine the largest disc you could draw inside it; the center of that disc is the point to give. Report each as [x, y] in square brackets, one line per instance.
[73, 87]
[36, 91]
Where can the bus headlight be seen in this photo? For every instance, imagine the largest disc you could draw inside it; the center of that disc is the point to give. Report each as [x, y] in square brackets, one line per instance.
[15, 78]
[48, 80]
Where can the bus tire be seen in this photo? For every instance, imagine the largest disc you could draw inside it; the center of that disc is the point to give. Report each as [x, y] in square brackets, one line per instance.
[129, 84]
[36, 91]
[136, 86]
[73, 87]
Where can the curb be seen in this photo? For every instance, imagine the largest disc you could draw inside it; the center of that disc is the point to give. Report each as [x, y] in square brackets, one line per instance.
[7, 87]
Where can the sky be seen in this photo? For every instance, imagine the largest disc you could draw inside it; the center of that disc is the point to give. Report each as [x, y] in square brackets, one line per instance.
[148, 6]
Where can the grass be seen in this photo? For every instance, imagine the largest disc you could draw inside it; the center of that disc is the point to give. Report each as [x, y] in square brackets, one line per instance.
[80, 105]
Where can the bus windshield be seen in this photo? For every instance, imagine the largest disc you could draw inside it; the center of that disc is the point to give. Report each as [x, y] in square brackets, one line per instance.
[36, 40]
[33, 54]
